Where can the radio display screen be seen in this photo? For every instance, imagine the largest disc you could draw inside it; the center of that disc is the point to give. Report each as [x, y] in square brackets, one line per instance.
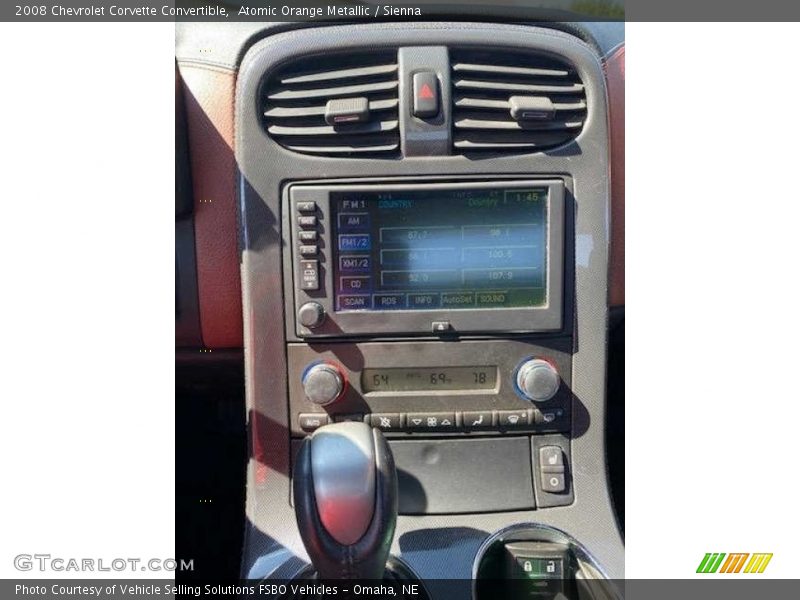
[440, 249]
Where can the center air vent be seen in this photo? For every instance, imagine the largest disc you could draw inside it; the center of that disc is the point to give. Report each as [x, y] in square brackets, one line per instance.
[514, 101]
[348, 109]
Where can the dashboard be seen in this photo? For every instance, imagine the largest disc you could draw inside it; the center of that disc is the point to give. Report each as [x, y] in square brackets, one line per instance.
[409, 225]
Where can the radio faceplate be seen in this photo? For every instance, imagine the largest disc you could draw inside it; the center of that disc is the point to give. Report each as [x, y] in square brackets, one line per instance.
[427, 258]
[473, 409]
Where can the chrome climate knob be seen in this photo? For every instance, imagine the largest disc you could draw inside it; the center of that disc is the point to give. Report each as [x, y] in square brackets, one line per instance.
[323, 383]
[538, 380]
[311, 315]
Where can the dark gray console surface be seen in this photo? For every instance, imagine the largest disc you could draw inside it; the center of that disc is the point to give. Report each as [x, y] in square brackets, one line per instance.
[463, 476]
[436, 546]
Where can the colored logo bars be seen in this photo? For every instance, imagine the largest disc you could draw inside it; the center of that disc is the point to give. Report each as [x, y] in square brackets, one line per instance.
[734, 563]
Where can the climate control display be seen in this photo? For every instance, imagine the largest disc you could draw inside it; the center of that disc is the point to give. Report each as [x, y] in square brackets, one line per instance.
[428, 379]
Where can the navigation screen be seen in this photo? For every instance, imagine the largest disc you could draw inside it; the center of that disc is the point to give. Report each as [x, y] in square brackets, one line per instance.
[440, 249]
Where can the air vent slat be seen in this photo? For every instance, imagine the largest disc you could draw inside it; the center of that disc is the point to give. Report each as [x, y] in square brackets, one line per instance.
[469, 145]
[342, 74]
[345, 149]
[348, 108]
[511, 101]
[499, 86]
[543, 138]
[370, 127]
[517, 126]
[499, 69]
[468, 102]
[334, 92]
[288, 112]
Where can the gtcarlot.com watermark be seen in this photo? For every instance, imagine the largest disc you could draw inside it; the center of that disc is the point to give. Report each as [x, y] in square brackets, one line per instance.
[58, 564]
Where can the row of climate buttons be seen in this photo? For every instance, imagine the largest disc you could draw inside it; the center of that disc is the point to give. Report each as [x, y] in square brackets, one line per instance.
[530, 419]
[307, 236]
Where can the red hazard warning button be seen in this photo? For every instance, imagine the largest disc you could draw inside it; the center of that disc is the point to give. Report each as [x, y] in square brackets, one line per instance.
[426, 95]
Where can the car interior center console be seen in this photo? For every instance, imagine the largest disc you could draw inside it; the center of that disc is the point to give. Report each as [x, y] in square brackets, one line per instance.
[432, 200]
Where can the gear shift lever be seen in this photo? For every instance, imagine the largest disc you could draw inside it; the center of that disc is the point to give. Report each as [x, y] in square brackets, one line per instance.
[345, 500]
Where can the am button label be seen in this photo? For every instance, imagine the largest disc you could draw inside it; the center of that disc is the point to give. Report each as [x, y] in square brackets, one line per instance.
[353, 220]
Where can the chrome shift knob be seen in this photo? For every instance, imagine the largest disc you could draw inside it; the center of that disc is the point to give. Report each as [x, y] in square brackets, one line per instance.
[345, 500]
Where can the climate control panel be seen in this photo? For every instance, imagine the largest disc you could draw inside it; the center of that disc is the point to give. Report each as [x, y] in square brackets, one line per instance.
[480, 387]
